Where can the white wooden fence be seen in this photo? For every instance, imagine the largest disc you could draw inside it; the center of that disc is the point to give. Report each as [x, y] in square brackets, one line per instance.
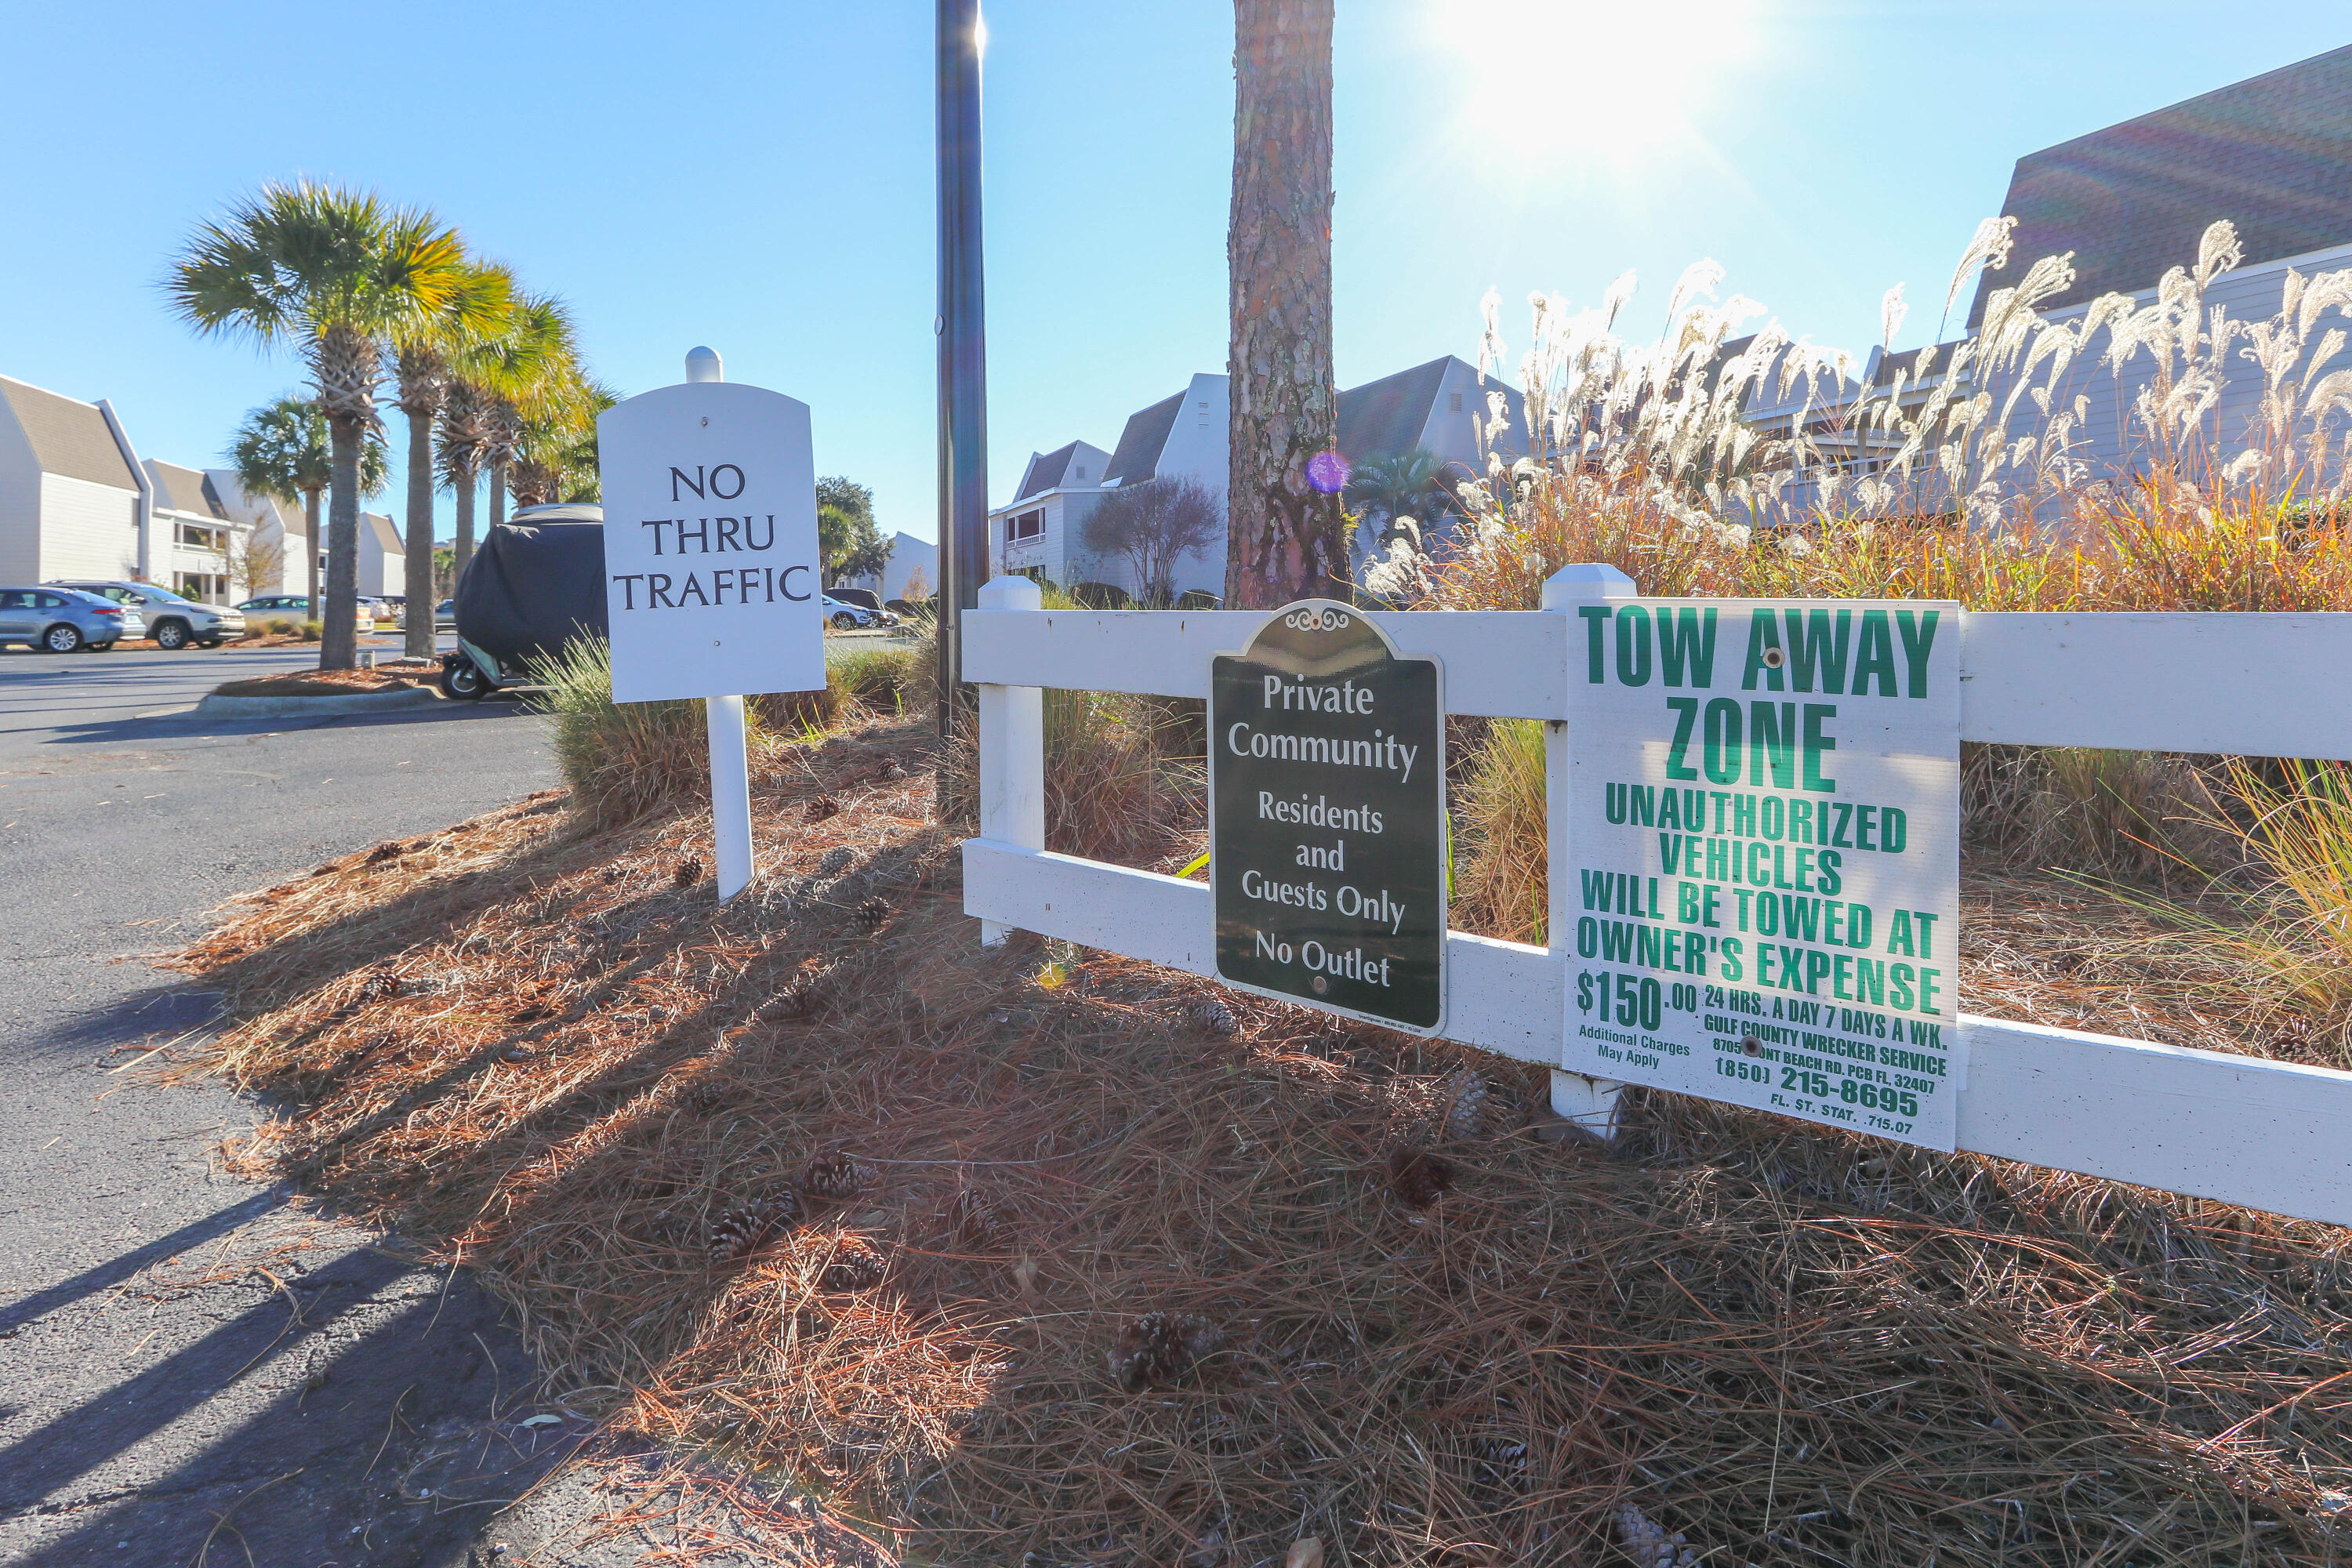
[2269, 1135]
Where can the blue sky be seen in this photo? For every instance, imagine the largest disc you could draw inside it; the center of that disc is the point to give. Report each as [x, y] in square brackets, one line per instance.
[759, 177]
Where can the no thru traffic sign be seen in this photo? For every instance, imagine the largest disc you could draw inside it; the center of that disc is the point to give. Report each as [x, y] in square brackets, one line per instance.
[1327, 802]
[710, 551]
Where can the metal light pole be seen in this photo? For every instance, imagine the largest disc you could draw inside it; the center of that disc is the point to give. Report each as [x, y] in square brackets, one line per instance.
[963, 343]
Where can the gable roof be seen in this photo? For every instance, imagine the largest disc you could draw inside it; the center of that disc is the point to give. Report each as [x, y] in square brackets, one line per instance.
[1141, 443]
[185, 489]
[2273, 154]
[1046, 470]
[386, 533]
[68, 436]
[1389, 414]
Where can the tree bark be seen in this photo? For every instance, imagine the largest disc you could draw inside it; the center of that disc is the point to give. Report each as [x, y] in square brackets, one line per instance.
[338, 642]
[418, 539]
[311, 542]
[465, 548]
[497, 496]
[1283, 539]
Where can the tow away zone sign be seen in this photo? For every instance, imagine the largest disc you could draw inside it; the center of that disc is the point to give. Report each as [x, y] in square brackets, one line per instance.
[1764, 843]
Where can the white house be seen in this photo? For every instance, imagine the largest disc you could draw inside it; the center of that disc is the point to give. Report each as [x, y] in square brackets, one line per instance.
[2274, 156]
[1430, 407]
[382, 563]
[192, 539]
[73, 498]
[1035, 534]
[277, 529]
[912, 560]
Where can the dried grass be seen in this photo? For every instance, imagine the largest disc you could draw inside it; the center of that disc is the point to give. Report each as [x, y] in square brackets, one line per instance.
[1788, 1345]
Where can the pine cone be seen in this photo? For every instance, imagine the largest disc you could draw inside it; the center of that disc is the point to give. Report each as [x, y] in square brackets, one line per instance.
[805, 998]
[387, 850]
[744, 1229]
[980, 1221]
[854, 1266]
[1468, 1104]
[1211, 1017]
[822, 807]
[689, 872]
[707, 1096]
[873, 915]
[832, 1176]
[1160, 1347]
[894, 770]
[382, 984]
[836, 858]
[1418, 1177]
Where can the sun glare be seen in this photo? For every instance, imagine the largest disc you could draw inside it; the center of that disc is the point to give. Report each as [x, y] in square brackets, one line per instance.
[1612, 80]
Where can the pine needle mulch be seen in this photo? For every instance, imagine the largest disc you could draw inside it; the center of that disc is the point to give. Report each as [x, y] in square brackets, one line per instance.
[547, 1053]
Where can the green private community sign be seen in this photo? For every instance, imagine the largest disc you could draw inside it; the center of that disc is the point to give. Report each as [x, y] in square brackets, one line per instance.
[1763, 856]
[1327, 810]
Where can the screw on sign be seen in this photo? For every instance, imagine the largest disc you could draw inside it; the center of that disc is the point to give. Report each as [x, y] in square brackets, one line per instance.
[1326, 795]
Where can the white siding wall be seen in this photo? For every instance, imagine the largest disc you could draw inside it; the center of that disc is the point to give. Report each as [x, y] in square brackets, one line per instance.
[20, 505]
[86, 530]
[2111, 442]
[1198, 448]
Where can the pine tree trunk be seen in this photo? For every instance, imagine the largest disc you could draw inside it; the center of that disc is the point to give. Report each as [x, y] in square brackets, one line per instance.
[417, 589]
[311, 542]
[337, 643]
[1283, 539]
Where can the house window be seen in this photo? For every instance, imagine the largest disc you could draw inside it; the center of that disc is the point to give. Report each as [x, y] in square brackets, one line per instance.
[1027, 525]
[198, 538]
[1082, 470]
[1453, 402]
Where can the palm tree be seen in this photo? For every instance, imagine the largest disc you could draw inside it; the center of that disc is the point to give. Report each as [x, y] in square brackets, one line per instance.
[423, 348]
[523, 369]
[1282, 538]
[281, 451]
[466, 416]
[331, 273]
[555, 444]
[1392, 485]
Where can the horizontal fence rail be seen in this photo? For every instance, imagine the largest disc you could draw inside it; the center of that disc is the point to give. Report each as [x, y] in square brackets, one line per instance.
[2242, 1130]
[2258, 685]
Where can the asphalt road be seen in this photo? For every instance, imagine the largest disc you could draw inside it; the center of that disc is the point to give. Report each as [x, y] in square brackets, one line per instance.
[191, 1372]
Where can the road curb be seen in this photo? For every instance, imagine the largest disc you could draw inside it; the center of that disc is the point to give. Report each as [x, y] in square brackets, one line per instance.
[216, 706]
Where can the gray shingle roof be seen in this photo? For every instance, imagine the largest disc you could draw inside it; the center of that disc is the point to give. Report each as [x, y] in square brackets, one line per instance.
[1141, 444]
[1385, 416]
[1048, 471]
[1382, 417]
[2273, 154]
[69, 437]
[185, 489]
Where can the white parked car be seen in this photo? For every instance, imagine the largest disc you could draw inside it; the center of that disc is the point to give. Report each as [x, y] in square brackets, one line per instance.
[172, 621]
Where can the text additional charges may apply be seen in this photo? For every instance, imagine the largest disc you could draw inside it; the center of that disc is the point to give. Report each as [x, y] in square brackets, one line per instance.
[1763, 899]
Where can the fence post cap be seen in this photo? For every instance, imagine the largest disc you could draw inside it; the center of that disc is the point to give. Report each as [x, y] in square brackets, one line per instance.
[1010, 594]
[1585, 581]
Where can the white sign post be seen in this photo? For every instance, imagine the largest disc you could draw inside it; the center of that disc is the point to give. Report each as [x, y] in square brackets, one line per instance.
[1760, 899]
[712, 575]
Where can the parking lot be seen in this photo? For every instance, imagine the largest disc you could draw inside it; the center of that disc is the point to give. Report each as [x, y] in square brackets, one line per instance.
[132, 1412]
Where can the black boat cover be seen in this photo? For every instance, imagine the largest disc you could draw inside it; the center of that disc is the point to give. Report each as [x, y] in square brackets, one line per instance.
[535, 584]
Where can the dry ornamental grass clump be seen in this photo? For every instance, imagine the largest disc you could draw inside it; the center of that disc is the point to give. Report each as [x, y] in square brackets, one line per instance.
[1726, 1336]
